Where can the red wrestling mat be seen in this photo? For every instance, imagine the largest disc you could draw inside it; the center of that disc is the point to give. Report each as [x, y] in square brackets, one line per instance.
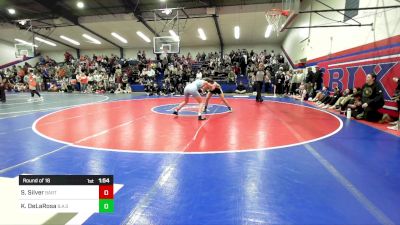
[133, 125]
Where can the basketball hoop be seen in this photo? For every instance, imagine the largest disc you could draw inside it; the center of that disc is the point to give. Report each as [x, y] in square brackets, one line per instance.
[273, 17]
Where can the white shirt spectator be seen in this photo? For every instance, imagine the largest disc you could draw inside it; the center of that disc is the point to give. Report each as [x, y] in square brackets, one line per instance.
[199, 75]
[151, 73]
[98, 77]
[144, 72]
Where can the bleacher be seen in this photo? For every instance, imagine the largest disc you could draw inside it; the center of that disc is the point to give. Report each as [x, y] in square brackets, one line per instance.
[197, 65]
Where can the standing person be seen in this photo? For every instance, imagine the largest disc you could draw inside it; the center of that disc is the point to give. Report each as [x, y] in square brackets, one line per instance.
[259, 79]
[217, 91]
[279, 81]
[192, 89]
[243, 63]
[32, 86]
[2, 89]
[319, 77]
[310, 82]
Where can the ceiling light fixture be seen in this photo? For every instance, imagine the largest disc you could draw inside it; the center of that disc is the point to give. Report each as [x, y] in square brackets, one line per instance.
[80, 4]
[92, 39]
[173, 34]
[237, 32]
[70, 40]
[268, 31]
[45, 41]
[143, 36]
[25, 42]
[11, 11]
[202, 34]
[117, 36]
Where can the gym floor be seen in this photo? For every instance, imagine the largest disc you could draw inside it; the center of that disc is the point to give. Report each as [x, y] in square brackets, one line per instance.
[277, 162]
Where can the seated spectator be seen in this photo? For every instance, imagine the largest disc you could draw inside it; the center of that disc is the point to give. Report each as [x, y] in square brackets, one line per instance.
[111, 88]
[89, 89]
[53, 87]
[128, 89]
[355, 105]
[100, 88]
[332, 99]
[240, 89]
[347, 94]
[231, 76]
[396, 97]
[356, 92]
[20, 87]
[148, 88]
[302, 92]
[156, 89]
[372, 99]
[119, 89]
[320, 95]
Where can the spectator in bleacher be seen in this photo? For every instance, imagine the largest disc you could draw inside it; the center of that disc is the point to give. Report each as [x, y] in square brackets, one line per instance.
[243, 64]
[231, 76]
[199, 75]
[119, 90]
[124, 81]
[372, 99]
[281, 60]
[157, 89]
[148, 87]
[68, 57]
[84, 81]
[151, 73]
[240, 89]
[100, 89]
[236, 69]
[171, 89]
[53, 87]
[20, 87]
[180, 89]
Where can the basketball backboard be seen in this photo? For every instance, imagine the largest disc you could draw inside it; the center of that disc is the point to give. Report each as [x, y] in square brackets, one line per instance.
[22, 50]
[166, 44]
